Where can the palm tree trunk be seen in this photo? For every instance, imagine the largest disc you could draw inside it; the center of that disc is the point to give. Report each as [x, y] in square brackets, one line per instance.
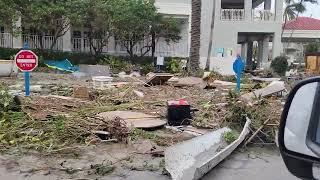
[211, 39]
[195, 37]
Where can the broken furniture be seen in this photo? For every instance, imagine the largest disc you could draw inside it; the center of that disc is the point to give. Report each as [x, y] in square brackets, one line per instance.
[312, 63]
[158, 78]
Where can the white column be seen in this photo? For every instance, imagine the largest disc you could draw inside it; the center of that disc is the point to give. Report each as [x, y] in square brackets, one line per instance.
[67, 38]
[277, 47]
[265, 53]
[248, 10]
[279, 10]
[244, 50]
[217, 10]
[260, 53]
[17, 37]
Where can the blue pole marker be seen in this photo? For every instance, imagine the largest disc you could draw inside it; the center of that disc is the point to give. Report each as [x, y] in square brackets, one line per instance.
[26, 74]
[238, 67]
[27, 83]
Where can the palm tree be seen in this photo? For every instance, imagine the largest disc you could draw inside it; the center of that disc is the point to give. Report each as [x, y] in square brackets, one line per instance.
[293, 9]
[211, 40]
[195, 36]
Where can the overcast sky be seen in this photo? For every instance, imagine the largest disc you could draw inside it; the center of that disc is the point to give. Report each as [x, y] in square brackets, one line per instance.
[313, 11]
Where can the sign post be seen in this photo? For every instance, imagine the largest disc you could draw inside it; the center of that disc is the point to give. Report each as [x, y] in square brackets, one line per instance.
[26, 61]
[238, 67]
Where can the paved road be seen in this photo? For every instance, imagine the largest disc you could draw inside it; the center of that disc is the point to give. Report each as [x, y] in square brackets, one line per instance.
[257, 163]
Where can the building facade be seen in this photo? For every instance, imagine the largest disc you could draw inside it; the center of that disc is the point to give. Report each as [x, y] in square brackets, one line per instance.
[76, 38]
[238, 25]
[297, 34]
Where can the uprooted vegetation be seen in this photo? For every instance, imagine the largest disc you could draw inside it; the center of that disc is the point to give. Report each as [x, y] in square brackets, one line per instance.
[265, 115]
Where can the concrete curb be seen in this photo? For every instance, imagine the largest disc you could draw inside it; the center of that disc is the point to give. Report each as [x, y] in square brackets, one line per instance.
[206, 166]
[194, 158]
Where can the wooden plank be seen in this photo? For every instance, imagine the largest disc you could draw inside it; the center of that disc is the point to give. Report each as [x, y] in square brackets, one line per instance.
[158, 78]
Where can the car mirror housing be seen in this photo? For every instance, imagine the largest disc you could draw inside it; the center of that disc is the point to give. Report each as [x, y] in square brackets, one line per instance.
[299, 133]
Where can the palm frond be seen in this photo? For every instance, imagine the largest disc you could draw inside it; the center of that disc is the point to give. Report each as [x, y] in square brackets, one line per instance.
[311, 1]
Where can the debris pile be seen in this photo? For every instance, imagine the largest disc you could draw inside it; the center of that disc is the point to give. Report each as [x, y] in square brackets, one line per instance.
[160, 110]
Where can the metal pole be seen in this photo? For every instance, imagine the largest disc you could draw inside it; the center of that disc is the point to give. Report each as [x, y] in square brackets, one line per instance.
[26, 75]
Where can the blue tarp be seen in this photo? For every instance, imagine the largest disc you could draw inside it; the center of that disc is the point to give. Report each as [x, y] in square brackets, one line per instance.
[62, 65]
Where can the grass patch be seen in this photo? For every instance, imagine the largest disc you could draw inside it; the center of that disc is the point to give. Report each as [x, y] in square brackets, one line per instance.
[230, 136]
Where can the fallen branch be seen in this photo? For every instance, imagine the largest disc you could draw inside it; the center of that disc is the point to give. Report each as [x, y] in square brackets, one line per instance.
[255, 133]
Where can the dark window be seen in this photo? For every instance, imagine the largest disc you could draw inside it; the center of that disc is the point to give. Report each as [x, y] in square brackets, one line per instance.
[76, 34]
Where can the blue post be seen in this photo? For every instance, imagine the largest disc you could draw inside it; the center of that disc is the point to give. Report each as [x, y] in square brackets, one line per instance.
[26, 74]
[238, 67]
[27, 83]
[238, 82]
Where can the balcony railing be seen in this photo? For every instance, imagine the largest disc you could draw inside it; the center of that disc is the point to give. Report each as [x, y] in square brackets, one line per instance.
[263, 15]
[232, 14]
[43, 42]
[162, 48]
[6, 40]
[83, 44]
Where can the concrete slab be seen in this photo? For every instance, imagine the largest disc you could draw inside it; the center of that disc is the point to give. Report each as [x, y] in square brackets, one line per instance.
[94, 70]
[135, 119]
[191, 81]
[182, 160]
[203, 167]
[274, 87]
[265, 79]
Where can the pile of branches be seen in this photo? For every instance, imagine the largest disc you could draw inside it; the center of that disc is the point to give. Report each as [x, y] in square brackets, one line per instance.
[265, 117]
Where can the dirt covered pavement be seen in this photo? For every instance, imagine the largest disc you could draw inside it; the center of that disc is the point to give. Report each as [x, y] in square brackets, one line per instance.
[56, 135]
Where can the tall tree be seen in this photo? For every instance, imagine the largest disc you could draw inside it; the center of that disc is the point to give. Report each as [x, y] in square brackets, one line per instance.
[195, 36]
[207, 68]
[45, 16]
[131, 22]
[165, 28]
[97, 18]
[8, 14]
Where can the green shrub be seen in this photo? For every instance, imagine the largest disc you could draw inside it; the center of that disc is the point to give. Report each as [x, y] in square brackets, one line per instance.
[280, 65]
[313, 47]
[117, 64]
[146, 68]
[173, 65]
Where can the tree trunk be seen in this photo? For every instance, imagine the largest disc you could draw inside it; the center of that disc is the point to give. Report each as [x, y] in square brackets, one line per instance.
[153, 44]
[211, 39]
[195, 37]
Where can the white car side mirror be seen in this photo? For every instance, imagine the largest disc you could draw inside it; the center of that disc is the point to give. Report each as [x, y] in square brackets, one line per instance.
[299, 135]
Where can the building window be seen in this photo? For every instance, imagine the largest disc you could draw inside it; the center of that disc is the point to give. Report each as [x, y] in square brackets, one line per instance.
[77, 34]
[1, 29]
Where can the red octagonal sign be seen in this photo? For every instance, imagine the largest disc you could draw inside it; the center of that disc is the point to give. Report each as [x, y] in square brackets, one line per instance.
[26, 60]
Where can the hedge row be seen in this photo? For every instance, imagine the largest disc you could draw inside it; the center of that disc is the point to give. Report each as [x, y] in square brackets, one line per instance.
[119, 63]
